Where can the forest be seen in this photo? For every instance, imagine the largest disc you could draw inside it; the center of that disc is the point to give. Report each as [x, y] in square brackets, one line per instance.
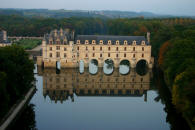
[16, 76]
[172, 40]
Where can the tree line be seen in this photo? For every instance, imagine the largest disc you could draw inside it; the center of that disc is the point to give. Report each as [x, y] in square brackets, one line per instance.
[161, 29]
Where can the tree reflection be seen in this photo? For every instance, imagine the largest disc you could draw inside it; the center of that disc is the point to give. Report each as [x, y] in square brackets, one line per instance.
[26, 120]
[174, 118]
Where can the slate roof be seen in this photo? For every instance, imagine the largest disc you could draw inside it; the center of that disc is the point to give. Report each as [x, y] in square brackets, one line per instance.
[113, 39]
[66, 35]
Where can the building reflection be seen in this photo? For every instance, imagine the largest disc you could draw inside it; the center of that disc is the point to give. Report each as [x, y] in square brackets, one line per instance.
[70, 82]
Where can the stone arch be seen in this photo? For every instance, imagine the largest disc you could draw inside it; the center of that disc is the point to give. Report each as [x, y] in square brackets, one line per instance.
[93, 69]
[123, 69]
[110, 65]
[142, 60]
[95, 61]
[129, 63]
[142, 67]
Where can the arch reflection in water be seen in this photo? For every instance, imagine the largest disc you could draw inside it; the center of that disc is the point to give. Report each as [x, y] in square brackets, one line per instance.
[60, 87]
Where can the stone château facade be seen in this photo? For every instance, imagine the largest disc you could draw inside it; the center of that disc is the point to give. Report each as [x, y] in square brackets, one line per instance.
[62, 46]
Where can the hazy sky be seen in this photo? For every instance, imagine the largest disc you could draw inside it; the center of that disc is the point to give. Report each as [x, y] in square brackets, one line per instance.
[176, 7]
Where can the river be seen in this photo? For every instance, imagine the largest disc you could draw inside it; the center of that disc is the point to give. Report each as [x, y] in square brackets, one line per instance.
[100, 99]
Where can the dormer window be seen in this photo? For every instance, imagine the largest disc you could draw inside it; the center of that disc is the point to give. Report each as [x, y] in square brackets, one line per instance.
[125, 42]
[86, 41]
[93, 42]
[143, 43]
[117, 42]
[78, 41]
[101, 41]
[134, 42]
[109, 42]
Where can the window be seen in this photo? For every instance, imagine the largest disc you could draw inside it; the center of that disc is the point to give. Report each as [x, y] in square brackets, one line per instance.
[50, 48]
[93, 41]
[100, 55]
[133, 55]
[125, 48]
[64, 48]
[117, 42]
[117, 48]
[57, 47]
[78, 41]
[50, 79]
[116, 55]
[109, 42]
[86, 42]
[101, 41]
[134, 42]
[93, 48]
[125, 42]
[57, 54]
[50, 55]
[93, 54]
[86, 55]
[78, 48]
[142, 55]
[64, 55]
[142, 48]
[58, 42]
[108, 54]
[143, 43]
[141, 79]
[133, 48]
[50, 42]
[86, 48]
[125, 55]
[109, 48]
[100, 48]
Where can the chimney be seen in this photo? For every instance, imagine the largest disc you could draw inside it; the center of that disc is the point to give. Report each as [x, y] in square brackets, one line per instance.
[55, 33]
[73, 34]
[148, 37]
[61, 32]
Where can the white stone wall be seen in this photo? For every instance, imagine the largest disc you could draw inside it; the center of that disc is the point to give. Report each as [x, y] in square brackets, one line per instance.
[70, 56]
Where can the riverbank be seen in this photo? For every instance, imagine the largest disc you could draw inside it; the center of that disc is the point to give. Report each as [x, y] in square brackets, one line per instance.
[16, 109]
[187, 119]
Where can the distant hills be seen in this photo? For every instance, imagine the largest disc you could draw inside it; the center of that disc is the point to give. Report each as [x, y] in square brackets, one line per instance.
[81, 13]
